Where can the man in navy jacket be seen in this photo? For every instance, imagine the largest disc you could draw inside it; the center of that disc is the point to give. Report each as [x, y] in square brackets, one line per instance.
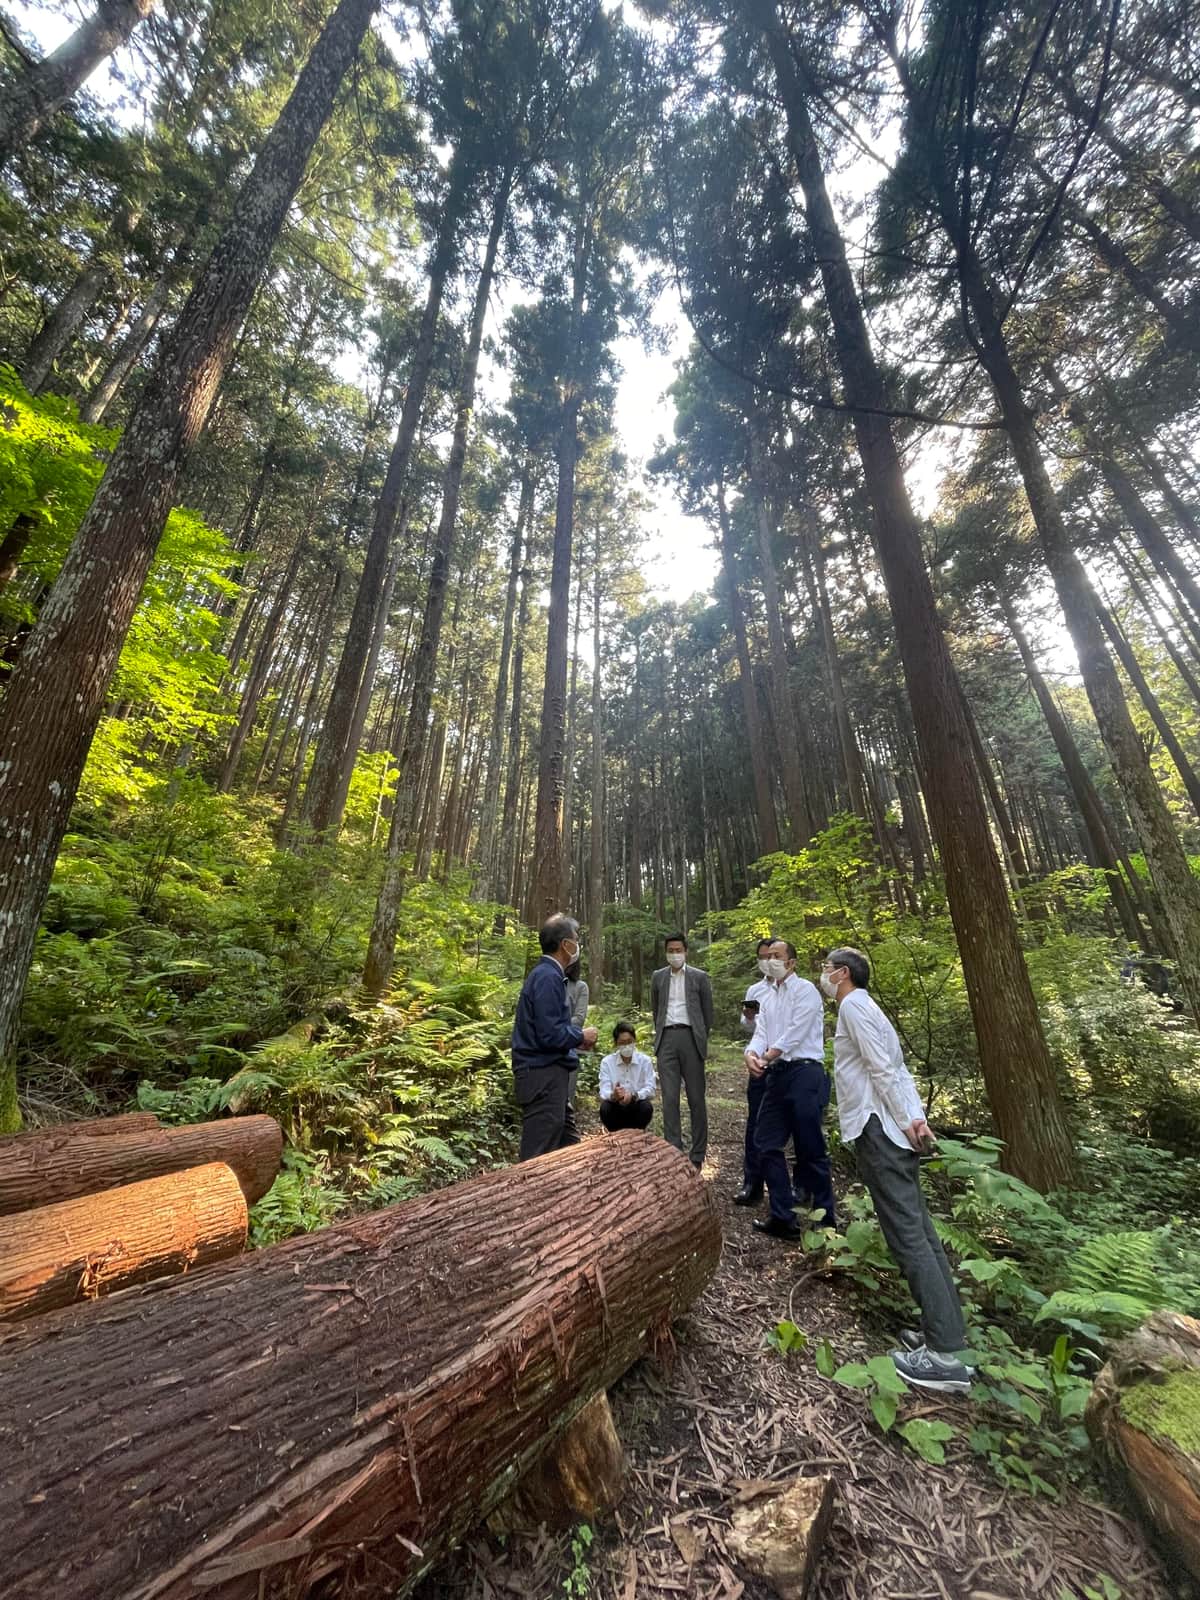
[545, 1042]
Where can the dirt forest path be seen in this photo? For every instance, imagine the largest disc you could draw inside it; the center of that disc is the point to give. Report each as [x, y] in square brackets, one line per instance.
[733, 1410]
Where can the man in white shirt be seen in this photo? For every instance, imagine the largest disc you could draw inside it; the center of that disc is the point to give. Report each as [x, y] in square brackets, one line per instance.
[788, 1053]
[626, 1083]
[881, 1115]
[752, 1179]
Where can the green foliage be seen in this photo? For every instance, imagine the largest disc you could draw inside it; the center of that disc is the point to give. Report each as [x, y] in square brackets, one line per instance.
[578, 1582]
[303, 1197]
[169, 669]
[785, 1338]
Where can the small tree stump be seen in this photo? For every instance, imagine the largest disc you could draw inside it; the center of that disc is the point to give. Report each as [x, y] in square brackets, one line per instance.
[579, 1477]
[780, 1535]
[1144, 1415]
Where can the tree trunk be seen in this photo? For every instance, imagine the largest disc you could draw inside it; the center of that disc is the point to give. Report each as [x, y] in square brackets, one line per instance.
[1133, 671]
[787, 733]
[13, 547]
[595, 894]
[634, 766]
[82, 1249]
[1142, 1414]
[51, 82]
[509, 856]
[546, 885]
[61, 326]
[764, 800]
[57, 692]
[123, 362]
[1178, 890]
[381, 949]
[339, 714]
[1091, 808]
[87, 1128]
[45, 1169]
[491, 822]
[339, 1410]
[1017, 1069]
[257, 681]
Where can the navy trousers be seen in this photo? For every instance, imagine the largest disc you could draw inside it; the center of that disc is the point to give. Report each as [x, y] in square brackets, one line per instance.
[752, 1173]
[794, 1097]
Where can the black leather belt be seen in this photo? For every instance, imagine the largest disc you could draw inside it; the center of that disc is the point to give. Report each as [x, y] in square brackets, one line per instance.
[672, 1026]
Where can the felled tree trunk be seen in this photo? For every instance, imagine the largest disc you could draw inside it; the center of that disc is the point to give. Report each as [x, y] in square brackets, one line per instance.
[39, 1171]
[1144, 1413]
[340, 1409]
[86, 1128]
[82, 1249]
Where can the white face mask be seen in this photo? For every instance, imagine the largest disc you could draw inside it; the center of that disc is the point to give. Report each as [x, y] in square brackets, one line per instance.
[762, 965]
[626, 1052]
[677, 958]
[776, 968]
[828, 987]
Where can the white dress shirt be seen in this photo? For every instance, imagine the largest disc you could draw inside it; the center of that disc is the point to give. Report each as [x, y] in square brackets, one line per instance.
[791, 1019]
[677, 1012]
[757, 990]
[872, 1080]
[636, 1075]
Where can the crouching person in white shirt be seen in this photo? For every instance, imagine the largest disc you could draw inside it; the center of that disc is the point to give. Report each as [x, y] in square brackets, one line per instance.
[881, 1115]
[626, 1083]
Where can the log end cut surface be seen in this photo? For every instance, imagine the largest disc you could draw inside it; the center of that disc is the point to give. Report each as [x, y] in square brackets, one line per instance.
[84, 1248]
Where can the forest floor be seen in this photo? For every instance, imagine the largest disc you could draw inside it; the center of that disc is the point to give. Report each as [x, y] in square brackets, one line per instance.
[733, 1410]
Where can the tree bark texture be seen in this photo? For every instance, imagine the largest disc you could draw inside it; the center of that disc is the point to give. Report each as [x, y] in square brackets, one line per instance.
[1018, 1073]
[84, 1248]
[547, 885]
[85, 1128]
[764, 799]
[57, 692]
[52, 82]
[340, 1409]
[40, 1171]
[62, 324]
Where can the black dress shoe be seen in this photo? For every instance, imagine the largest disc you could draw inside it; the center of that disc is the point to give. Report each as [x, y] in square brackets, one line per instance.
[778, 1229]
[748, 1196]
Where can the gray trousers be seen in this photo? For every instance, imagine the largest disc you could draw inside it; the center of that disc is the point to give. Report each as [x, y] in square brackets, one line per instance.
[892, 1177]
[680, 1063]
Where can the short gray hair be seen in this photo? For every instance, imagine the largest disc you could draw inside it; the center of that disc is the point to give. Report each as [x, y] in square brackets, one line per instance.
[855, 963]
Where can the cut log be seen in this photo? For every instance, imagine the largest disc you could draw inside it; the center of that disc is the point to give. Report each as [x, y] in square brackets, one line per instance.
[341, 1408]
[37, 1172]
[578, 1478]
[82, 1249]
[779, 1529]
[1144, 1414]
[86, 1127]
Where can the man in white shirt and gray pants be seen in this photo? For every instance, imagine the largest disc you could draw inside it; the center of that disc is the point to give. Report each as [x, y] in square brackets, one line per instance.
[881, 1115]
[788, 1053]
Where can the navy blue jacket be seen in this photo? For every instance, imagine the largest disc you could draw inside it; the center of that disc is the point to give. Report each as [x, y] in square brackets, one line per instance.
[543, 1034]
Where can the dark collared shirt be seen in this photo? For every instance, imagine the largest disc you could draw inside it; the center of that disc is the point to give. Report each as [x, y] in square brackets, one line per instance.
[543, 1034]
